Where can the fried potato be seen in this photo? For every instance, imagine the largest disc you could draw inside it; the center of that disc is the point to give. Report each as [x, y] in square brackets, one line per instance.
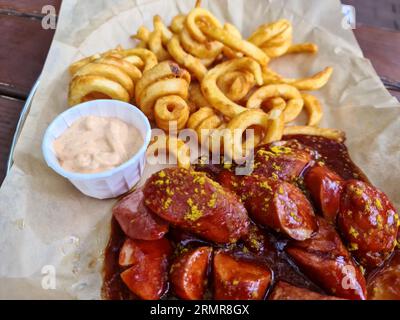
[130, 69]
[177, 23]
[109, 72]
[165, 79]
[81, 86]
[196, 97]
[148, 57]
[216, 97]
[288, 94]
[313, 108]
[250, 118]
[303, 48]
[312, 83]
[236, 84]
[274, 39]
[228, 52]
[203, 25]
[171, 109]
[174, 147]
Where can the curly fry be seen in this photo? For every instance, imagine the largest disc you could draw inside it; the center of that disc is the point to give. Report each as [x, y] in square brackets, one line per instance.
[312, 83]
[165, 79]
[171, 109]
[74, 67]
[208, 50]
[196, 96]
[193, 64]
[236, 84]
[214, 95]
[205, 122]
[109, 72]
[205, 128]
[81, 86]
[177, 23]
[202, 24]
[274, 38]
[276, 126]
[160, 89]
[292, 97]
[159, 25]
[232, 141]
[199, 116]
[135, 60]
[313, 108]
[149, 58]
[174, 147]
[142, 34]
[164, 70]
[130, 69]
[303, 48]
[191, 22]
[228, 52]
[155, 45]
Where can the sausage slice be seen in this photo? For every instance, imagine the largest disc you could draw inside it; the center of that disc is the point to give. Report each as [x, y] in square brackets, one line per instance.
[385, 284]
[368, 222]
[136, 220]
[148, 263]
[188, 273]
[279, 205]
[325, 187]
[237, 279]
[284, 160]
[193, 202]
[325, 260]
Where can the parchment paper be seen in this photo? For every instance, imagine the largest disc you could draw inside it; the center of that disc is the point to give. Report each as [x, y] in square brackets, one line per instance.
[45, 221]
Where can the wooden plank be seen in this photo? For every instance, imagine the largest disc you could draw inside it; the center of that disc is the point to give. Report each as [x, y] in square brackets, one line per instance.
[9, 114]
[24, 47]
[382, 47]
[27, 6]
[382, 13]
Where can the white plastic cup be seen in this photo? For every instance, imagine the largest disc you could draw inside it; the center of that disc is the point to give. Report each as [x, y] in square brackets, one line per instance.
[110, 183]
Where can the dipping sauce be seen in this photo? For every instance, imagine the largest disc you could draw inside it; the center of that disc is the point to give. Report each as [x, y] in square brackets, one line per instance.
[96, 144]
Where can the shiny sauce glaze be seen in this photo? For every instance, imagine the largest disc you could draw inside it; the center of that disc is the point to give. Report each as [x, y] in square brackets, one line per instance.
[334, 154]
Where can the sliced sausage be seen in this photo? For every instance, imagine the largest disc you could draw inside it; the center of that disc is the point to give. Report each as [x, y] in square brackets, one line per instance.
[256, 240]
[188, 273]
[284, 160]
[279, 205]
[286, 291]
[325, 187]
[368, 222]
[195, 203]
[228, 180]
[237, 279]
[325, 260]
[385, 284]
[136, 220]
[148, 267]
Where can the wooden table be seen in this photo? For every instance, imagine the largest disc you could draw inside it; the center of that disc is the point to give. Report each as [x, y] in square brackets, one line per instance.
[24, 46]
